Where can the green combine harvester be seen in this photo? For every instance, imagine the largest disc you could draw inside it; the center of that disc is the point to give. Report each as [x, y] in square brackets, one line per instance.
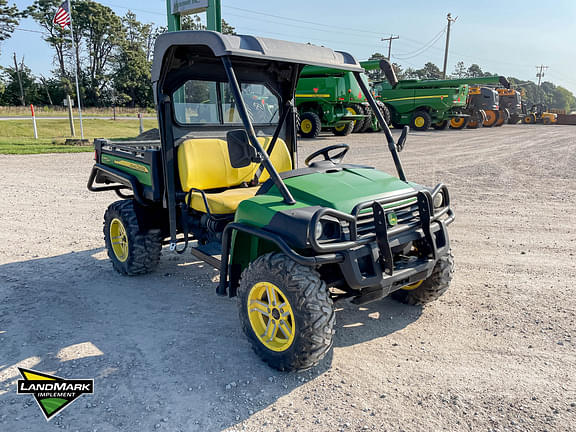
[331, 99]
[421, 104]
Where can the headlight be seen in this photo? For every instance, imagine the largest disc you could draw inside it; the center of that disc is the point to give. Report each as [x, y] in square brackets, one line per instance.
[439, 200]
[327, 229]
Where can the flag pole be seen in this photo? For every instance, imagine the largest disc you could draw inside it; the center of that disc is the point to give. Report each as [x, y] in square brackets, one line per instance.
[76, 70]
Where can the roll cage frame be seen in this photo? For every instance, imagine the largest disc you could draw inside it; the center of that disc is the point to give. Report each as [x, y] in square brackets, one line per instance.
[183, 56]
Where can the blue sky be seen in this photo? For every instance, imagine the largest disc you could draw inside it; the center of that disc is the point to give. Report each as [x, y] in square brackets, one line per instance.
[506, 37]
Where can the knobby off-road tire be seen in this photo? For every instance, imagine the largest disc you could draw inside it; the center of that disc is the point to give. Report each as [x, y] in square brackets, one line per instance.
[311, 306]
[374, 125]
[420, 121]
[433, 287]
[357, 109]
[368, 120]
[310, 125]
[142, 248]
[343, 130]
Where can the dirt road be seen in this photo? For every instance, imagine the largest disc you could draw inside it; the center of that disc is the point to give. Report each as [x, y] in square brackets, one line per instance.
[497, 352]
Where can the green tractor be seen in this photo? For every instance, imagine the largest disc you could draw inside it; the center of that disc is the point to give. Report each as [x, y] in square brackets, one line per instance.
[289, 241]
[331, 99]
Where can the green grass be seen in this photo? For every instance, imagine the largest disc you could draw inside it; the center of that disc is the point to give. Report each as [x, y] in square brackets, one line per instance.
[52, 111]
[17, 136]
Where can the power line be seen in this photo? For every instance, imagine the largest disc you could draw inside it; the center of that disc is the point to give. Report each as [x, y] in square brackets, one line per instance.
[302, 21]
[422, 49]
[28, 30]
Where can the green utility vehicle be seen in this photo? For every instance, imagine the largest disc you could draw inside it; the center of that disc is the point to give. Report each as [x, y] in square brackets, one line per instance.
[331, 99]
[290, 241]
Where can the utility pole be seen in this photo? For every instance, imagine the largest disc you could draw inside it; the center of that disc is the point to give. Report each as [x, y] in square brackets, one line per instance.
[47, 90]
[390, 39]
[539, 75]
[19, 81]
[450, 21]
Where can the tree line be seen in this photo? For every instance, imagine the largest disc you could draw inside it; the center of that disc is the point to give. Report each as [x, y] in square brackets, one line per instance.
[115, 54]
[550, 94]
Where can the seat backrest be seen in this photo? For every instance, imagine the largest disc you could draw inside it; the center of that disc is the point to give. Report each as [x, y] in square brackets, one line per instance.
[204, 163]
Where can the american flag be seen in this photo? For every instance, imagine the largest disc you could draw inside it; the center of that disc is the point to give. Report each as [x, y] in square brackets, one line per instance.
[62, 16]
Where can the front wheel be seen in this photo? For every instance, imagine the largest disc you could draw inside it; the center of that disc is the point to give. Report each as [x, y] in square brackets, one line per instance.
[420, 121]
[431, 288]
[286, 312]
[310, 125]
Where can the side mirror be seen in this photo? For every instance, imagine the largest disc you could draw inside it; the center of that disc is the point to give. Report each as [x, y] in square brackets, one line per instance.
[389, 73]
[240, 151]
[402, 139]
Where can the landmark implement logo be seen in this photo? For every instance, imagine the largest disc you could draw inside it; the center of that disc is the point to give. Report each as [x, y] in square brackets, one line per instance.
[52, 393]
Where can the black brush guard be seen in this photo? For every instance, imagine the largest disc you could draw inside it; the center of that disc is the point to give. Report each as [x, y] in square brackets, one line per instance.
[367, 261]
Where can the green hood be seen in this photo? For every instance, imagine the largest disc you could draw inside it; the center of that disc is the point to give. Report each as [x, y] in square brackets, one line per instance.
[340, 190]
[344, 189]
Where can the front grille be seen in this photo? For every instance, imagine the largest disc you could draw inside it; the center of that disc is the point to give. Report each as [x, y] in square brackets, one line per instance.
[406, 213]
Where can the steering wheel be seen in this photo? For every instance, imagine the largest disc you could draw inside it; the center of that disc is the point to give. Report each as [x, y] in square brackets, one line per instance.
[336, 159]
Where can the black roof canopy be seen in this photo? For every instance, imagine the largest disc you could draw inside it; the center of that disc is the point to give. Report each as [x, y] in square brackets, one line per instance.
[214, 44]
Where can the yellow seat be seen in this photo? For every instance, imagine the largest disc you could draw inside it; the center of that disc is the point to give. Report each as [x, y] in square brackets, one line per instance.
[225, 202]
[204, 164]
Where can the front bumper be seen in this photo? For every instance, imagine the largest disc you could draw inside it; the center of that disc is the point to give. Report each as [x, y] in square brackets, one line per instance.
[372, 257]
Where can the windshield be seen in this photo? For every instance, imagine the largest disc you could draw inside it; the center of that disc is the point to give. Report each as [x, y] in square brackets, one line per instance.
[209, 102]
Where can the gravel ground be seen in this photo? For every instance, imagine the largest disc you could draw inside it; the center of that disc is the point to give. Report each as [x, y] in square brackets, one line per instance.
[495, 353]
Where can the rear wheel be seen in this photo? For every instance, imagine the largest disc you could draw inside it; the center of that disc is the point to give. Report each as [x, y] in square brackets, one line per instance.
[310, 125]
[132, 249]
[459, 122]
[343, 129]
[491, 118]
[420, 121]
[368, 121]
[431, 288]
[286, 312]
[440, 125]
[385, 111]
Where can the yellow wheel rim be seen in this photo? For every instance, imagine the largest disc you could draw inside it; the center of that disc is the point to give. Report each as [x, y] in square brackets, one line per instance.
[340, 128]
[271, 316]
[490, 117]
[306, 126]
[412, 286]
[419, 121]
[456, 121]
[353, 112]
[119, 239]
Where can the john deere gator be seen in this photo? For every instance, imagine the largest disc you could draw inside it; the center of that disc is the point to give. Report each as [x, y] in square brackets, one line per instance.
[288, 241]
